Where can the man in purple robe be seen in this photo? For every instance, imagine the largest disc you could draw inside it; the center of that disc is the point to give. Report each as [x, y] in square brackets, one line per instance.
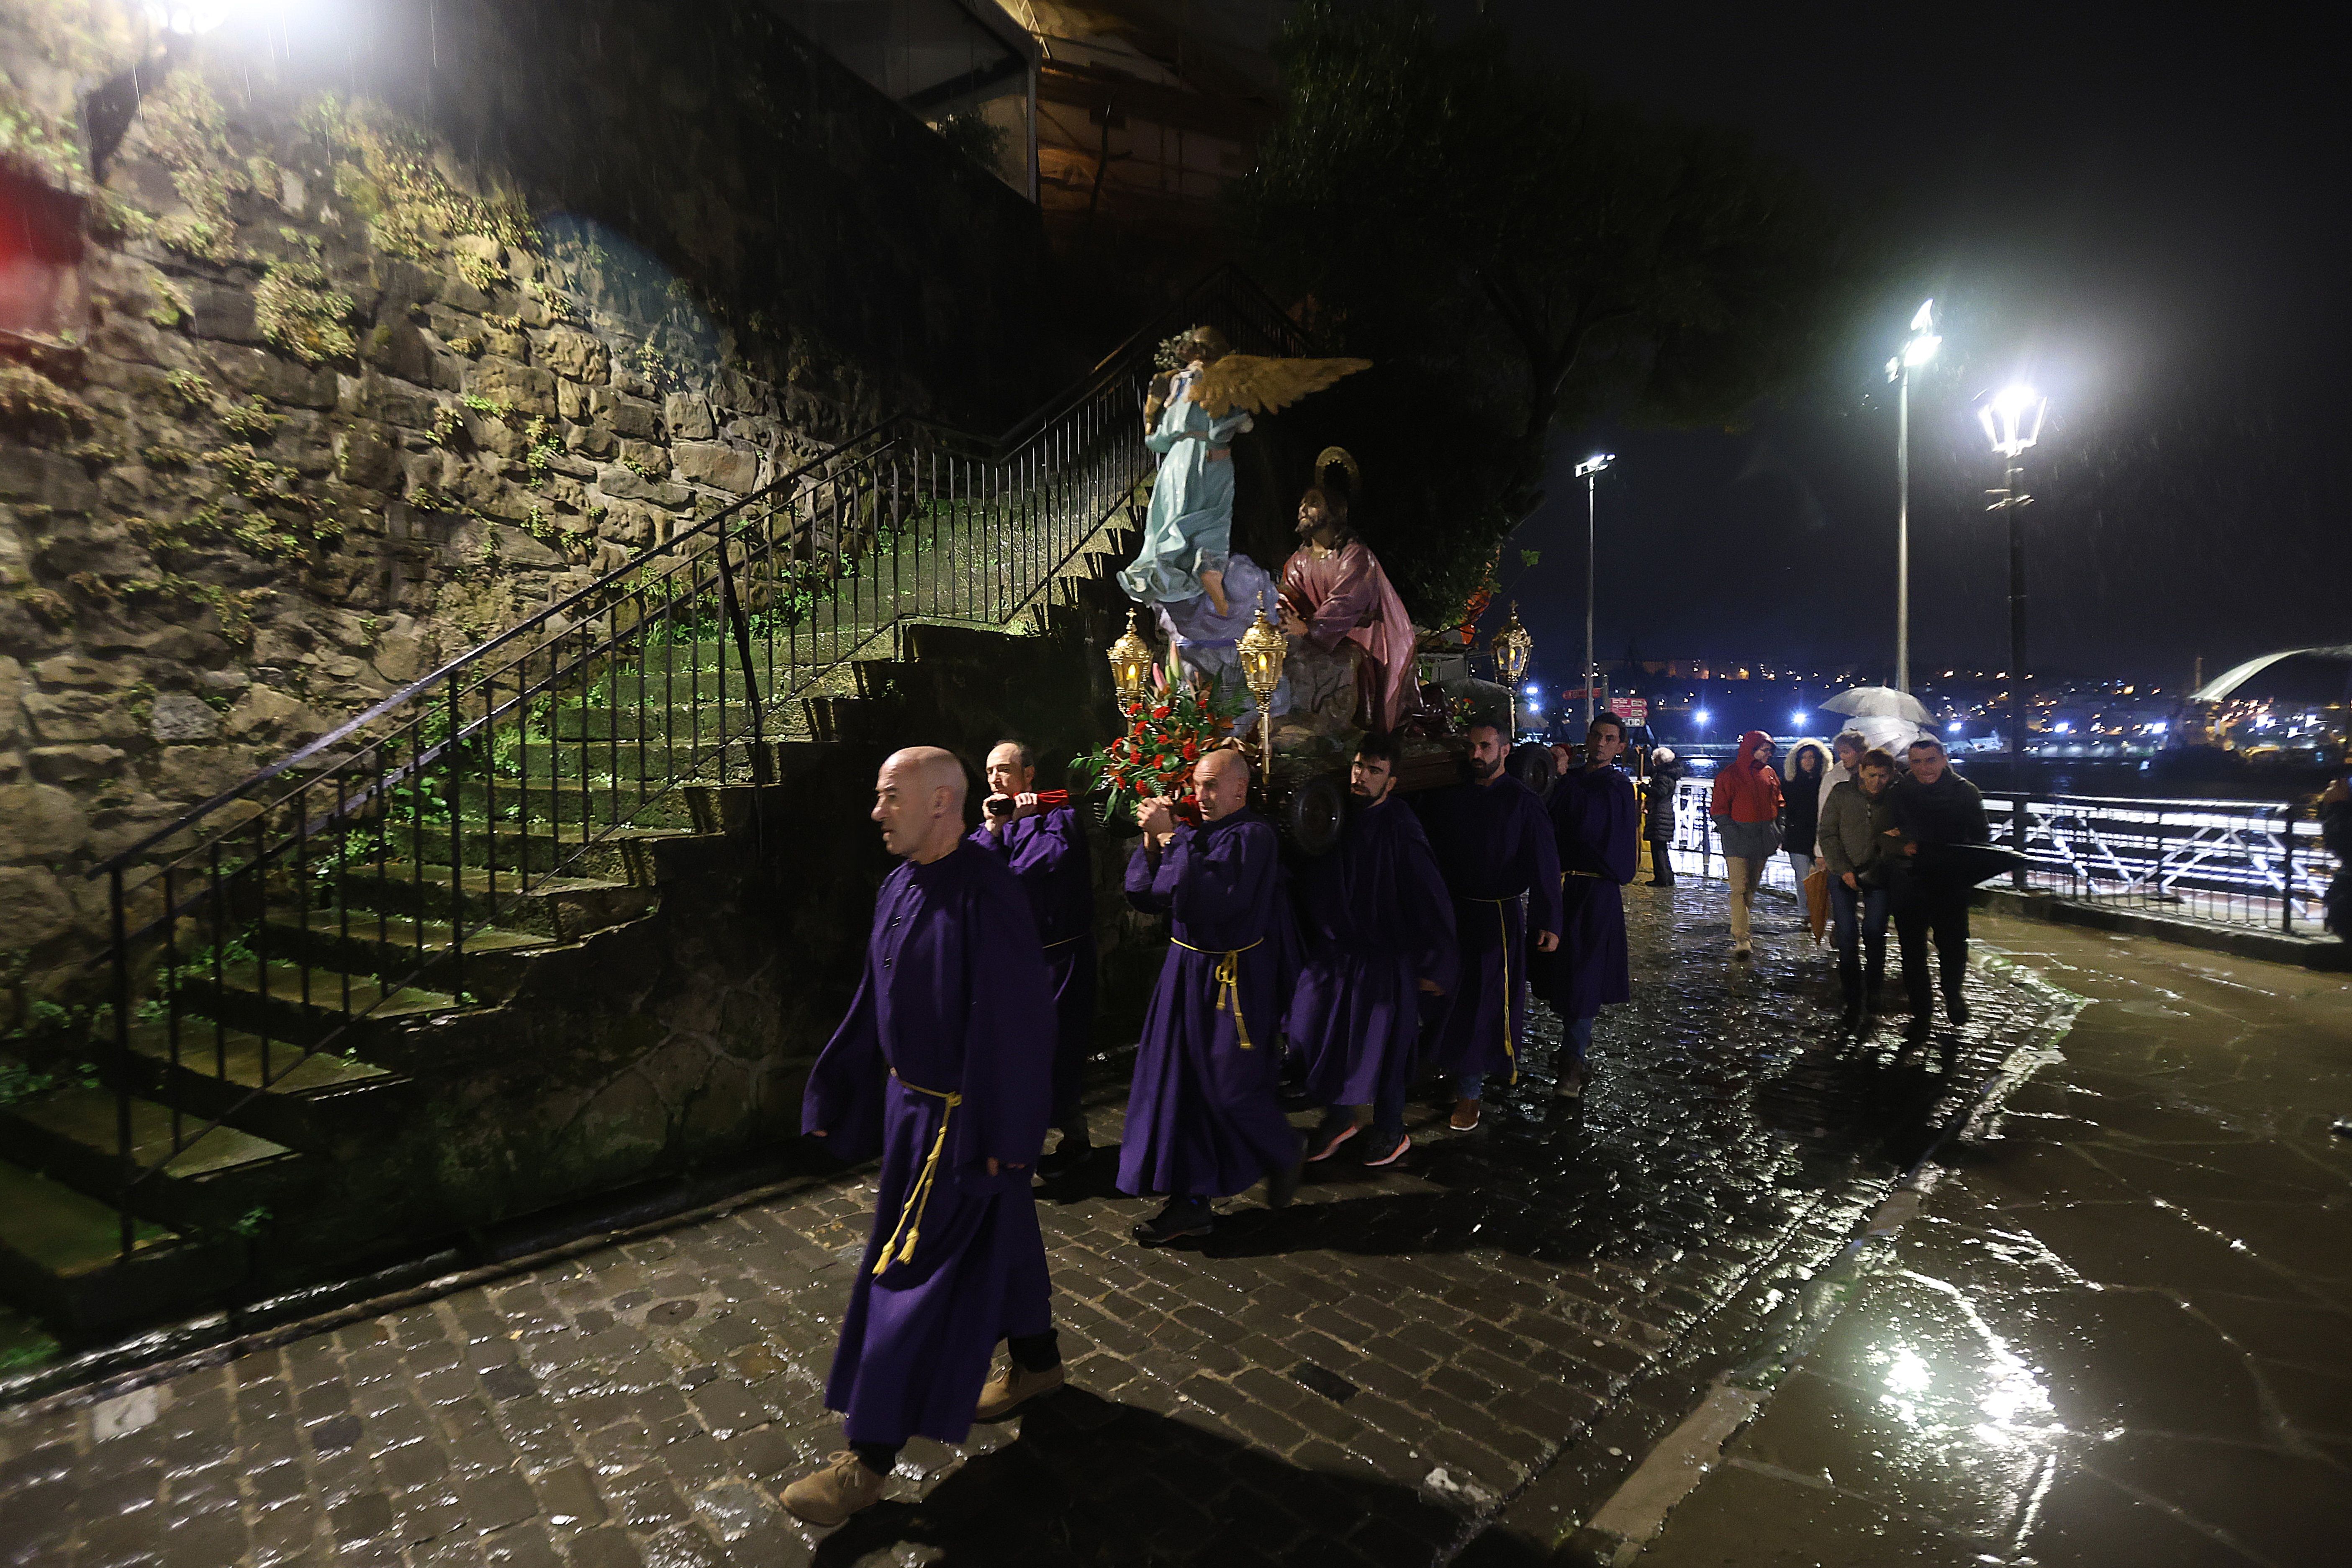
[1045, 845]
[1495, 845]
[1204, 1121]
[1595, 817]
[944, 1061]
[1379, 938]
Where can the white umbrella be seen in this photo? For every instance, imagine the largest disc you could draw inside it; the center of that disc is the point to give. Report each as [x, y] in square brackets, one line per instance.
[1879, 702]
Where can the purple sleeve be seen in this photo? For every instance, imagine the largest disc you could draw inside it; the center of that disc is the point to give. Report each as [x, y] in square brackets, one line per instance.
[1428, 907]
[1009, 1044]
[1538, 842]
[1057, 841]
[1353, 593]
[1619, 848]
[1151, 879]
[844, 1097]
[981, 838]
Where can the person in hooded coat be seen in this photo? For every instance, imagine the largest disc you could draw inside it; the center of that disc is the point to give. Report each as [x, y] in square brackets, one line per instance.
[1593, 818]
[1496, 849]
[1807, 774]
[1203, 1115]
[1380, 940]
[1666, 774]
[1746, 808]
[945, 1063]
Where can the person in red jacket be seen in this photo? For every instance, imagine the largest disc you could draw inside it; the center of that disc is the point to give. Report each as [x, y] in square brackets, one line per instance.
[1747, 811]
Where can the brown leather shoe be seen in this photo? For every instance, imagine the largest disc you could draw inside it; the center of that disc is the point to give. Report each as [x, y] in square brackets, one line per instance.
[836, 1492]
[1464, 1117]
[1014, 1388]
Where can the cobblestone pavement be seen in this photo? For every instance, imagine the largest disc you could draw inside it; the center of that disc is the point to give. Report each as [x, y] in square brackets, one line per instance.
[1443, 1361]
[2119, 1328]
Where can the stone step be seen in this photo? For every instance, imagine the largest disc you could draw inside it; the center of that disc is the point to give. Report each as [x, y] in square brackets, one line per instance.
[288, 999]
[381, 945]
[538, 804]
[647, 764]
[62, 1257]
[215, 1183]
[678, 724]
[614, 853]
[563, 908]
[306, 1101]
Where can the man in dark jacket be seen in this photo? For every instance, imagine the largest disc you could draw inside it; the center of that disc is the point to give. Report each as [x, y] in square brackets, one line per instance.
[1934, 806]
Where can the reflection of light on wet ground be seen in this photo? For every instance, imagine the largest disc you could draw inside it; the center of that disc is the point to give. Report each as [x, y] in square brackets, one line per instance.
[2008, 1395]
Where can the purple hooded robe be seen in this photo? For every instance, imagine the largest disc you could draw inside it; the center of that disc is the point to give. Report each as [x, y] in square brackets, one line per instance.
[952, 1002]
[1204, 1118]
[1493, 844]
[1378, 921]
[1048, 854]
[1595, 818]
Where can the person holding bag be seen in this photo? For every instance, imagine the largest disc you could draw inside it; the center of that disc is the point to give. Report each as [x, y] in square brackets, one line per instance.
[1858, 841]
[1746, 811]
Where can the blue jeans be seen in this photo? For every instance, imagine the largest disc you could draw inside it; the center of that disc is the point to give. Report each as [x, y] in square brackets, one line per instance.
[1858, 919]
[1578, 1040]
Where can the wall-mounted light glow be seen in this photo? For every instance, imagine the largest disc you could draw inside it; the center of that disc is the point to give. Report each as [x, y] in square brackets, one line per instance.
[185, 20]
[2011, 418]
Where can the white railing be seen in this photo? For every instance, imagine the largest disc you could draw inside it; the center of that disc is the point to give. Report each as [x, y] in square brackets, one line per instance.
[2247, 863]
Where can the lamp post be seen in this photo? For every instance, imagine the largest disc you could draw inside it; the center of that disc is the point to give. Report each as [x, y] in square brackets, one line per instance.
[1512, 649]
[1916, 352]
[2011, 418]
[1589, 471]
[1262, 650]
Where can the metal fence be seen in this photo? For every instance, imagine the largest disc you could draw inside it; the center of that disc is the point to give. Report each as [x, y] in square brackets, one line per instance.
[2250, 864]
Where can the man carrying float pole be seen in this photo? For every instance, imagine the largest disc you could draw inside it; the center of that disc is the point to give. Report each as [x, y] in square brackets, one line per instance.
[1045, 845]
[1203, 1120]
[1595, 817]
[944, 1061]
[1379, 937]
[1495, 845]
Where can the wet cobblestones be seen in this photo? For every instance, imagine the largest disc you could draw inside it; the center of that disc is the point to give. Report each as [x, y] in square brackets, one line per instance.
[1370, 1377]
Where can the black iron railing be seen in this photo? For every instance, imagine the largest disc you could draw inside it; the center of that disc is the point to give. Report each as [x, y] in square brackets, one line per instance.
[370, 874]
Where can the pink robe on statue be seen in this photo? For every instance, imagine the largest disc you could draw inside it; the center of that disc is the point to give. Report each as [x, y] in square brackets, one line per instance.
[1346, 598]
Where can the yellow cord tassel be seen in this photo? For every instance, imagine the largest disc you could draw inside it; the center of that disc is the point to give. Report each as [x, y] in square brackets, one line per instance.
[1229, 986]
[910, 1217]
[1510, 1046]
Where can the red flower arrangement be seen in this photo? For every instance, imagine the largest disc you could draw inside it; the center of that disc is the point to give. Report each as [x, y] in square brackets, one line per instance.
[1166, 734]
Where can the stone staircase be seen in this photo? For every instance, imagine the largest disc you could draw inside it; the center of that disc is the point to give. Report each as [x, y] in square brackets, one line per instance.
[373, 935]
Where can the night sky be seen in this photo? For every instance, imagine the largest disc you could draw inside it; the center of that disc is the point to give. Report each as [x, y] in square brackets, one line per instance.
[2143, 213]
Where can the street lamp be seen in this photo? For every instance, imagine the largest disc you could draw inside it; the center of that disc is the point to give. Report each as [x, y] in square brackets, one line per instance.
[2011, 418]
[1916, 352]
[1589, 471]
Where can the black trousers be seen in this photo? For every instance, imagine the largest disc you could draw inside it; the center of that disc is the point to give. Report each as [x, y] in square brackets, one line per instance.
[1662, 865]
[1942, 918]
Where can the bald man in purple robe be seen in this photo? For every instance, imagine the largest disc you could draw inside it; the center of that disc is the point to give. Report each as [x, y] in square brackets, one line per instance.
[945, 1063]
[1203, 1117]
[1046, 846]
[1595, 817]
[1380, 940]
[1495, 845]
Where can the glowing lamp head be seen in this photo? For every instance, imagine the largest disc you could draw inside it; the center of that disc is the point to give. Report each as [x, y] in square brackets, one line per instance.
[1262, 650]
[1595, 464]
[1131, 664]
[1514, 648]
[1924, 341]
[2011, 418]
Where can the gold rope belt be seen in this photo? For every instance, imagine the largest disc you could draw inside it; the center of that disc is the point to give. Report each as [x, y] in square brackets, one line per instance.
[1502, 916]
[910, 1217]
[1066, 940]
[1229, 986]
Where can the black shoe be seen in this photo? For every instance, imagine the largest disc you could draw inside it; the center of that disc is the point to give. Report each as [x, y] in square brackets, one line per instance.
[1070, 1153]
[1851, 1018]
[1572, 1082]
[1181, 1218]
[1282, 1186]
[1956, 1008]
[1379, 1150]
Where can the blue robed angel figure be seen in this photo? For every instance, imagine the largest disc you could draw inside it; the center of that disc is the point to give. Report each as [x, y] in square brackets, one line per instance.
[1190, 420]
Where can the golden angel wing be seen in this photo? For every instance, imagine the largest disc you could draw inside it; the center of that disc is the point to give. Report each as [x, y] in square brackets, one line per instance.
[1262, 383]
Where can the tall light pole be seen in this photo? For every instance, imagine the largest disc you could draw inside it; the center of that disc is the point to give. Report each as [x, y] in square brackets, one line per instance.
[1916, 352]
[1589, 471]
[2011, 418]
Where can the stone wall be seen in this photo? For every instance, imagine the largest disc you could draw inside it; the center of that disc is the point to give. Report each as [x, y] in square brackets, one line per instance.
[323, 357]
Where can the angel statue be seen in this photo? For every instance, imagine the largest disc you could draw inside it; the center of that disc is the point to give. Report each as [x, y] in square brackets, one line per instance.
[1191, 419]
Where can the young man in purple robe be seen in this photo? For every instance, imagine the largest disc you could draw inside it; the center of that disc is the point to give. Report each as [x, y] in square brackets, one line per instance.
[944, 1062]
[1595, 817]
[1203, 1120]
[1047, 847]
[1379, 939]
[1495, 845]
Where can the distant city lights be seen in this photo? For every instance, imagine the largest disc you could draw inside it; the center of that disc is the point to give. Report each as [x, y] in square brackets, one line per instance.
[1954, 728]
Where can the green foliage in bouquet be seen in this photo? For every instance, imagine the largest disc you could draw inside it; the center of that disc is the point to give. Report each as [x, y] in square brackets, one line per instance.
[1167, 730]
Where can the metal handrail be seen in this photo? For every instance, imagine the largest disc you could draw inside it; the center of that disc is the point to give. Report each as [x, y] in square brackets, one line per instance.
[903, 522]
